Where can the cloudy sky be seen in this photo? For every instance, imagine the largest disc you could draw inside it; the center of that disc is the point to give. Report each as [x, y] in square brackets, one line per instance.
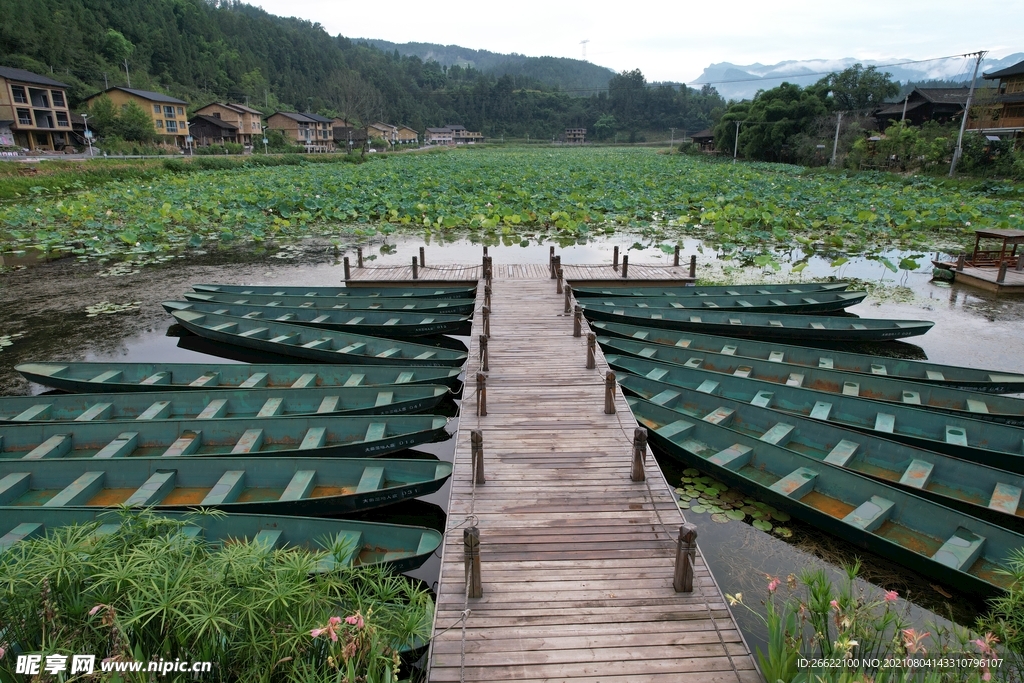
[671, 40]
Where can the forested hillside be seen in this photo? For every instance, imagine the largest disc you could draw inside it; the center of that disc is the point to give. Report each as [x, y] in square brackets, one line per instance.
[205, 51]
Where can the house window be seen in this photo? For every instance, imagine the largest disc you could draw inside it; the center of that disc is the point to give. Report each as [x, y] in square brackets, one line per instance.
[181, 112]
[58, 98]
[156, 108]
[169, 111]
[44, 119]
[172, 126]
[159, 123]
[19, 94]
[24, 117]
[62, 119]
[40, 98]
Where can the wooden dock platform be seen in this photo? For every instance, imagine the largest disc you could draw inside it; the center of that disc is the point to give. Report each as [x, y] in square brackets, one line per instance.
[593, 274]
[577, 559]
[987, 278]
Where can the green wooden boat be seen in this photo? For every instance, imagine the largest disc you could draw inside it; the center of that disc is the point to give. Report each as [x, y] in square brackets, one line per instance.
[324, 346]
[638, 289]
[990, 407]
[156, 377]
[426, 306]
[401, 548]
[389, 323]
[220, 403]
[273, 486]
[987, 381]
[271, 437]
[946, 545]
[798, 328]
[423, 292]
[802, 304]
[988, 443]
[980, 491]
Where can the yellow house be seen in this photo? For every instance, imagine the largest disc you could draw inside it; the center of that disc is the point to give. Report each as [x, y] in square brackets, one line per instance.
[247, 120]
[34, 109]
[168, 113]
[1003, 114]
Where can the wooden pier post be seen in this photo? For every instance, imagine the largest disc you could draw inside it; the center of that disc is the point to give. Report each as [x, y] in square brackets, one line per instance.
[609, 393]
[348, 272]
[558, 266]
[481, 394]
[686, 558]
[477, 440]
[359, 257]
[636, 472]
[615, 258]
[415, 269]
[551, 261]
[1020, 263]
[625, 264]
[423, 260]
[675, 260]
[568, 300]
[960, 262]
[471, 539]
[485, 251]
[487, 296]
[591, 350]
[483, 353]
[1002, 272]
[558, 284]
[577, 321]
[485, 312]
[693, 265]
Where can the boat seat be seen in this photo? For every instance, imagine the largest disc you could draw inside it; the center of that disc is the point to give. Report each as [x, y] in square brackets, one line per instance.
[425, 321]
[744, 304]
[1005, 498]
[719, 415]
[355, 380]
[728, 351]
[935, 376]
[40, 411]
[693, 363]
[709, 304]
[239, 302]
[97, 411]
[225, 327]
[248, 316]
[776, 357]
[268, 538]
[154, 489]
[619, 311]
[870, 514]
[409, 307]
[826, 364]
[425, 355]
[329, 404]
[735, 321]
[255, 380]
[885, 422]
[664, 397]
[917, 474]
[956, 435]
[694, 318]
[108, 376]
[300, 486]
[384, 398]
[78, 491]
[743, 371]
[851, 388]
[271, 407]
[305, 380]
[641, 304]
[656, 373]
[796, 484]
[708, 386]
[321, 318]
[775, 323]
[777, 433]
[640, 335]
[809, 300]
[13, 486]
[841, 454]
[356, 320]
[961, 550]
[208, 379]
[976, 406]
[286, 338]
[315, 437]
[375, 431]
[647, 352]
[372, 479]
[255, 333]
[227, 488]
[858, 326]
[159, 410]
[821, 410]
[911, 398]
[673, 428]
[121, 447]
[57, 446]
[20, 533]
[682, 343]
[817, 326]
[795, 379]
[777, 302]
[214, 409]
[157, 379]
[251, 441]
[316, 343]
[187, 444]
[878, 369]
[405, 377]
[762, 399]
[732, 458]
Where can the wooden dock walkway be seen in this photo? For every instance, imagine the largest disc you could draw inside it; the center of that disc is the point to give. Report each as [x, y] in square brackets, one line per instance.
[593, 273]
[577, 560]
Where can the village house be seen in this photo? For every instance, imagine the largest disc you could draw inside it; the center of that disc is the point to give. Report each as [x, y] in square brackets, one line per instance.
[248, 122]
[33, 111]
[1003, 114]
[705, 140]
[348, 137]
[315, 133]
[438, 136]
[211, 130]
[575, 136]
[406, 136]
[924, 104]
[452, 134]
[167, 113]
[384, 131]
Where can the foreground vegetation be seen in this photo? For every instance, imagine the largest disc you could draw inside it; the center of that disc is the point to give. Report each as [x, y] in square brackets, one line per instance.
[146, 592]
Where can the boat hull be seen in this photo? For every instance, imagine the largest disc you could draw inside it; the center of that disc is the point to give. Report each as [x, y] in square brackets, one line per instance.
[446, 306]
[638, 289]
[415, 292]
[789, 304]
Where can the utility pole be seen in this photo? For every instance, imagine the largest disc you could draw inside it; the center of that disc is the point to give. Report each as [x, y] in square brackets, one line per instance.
[904, 117]
[967, 110]
[736, 142]
[835, 143]
[672, 140]
[105, 85]
[126, 74]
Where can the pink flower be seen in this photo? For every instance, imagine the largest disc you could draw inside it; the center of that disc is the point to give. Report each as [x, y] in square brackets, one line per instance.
[355, 620]
[332, 624]
[835, 605]
[773, 585]
[912, 641]
[3, 650]
[890, 596]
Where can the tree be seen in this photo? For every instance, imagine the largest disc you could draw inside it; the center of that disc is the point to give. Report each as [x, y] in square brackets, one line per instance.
[116, 47]
[134, 124]
[605, 127]
[857, 88]
[627, 95]
[103, 116]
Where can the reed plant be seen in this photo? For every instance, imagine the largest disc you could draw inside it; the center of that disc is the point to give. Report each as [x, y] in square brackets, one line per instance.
[147, 591]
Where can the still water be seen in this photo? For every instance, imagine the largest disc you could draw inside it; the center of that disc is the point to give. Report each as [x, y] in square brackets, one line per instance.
[47, 304]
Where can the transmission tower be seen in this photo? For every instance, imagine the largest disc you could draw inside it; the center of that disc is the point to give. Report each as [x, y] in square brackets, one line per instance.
[584, 44]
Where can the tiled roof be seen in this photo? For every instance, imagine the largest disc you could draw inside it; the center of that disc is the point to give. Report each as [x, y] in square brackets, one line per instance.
[146, 95]
[1015, 70]
[214, 121]
[12, 74]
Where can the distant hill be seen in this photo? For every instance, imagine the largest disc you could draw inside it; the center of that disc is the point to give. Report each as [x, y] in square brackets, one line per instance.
[742, 82]
[558, 72]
